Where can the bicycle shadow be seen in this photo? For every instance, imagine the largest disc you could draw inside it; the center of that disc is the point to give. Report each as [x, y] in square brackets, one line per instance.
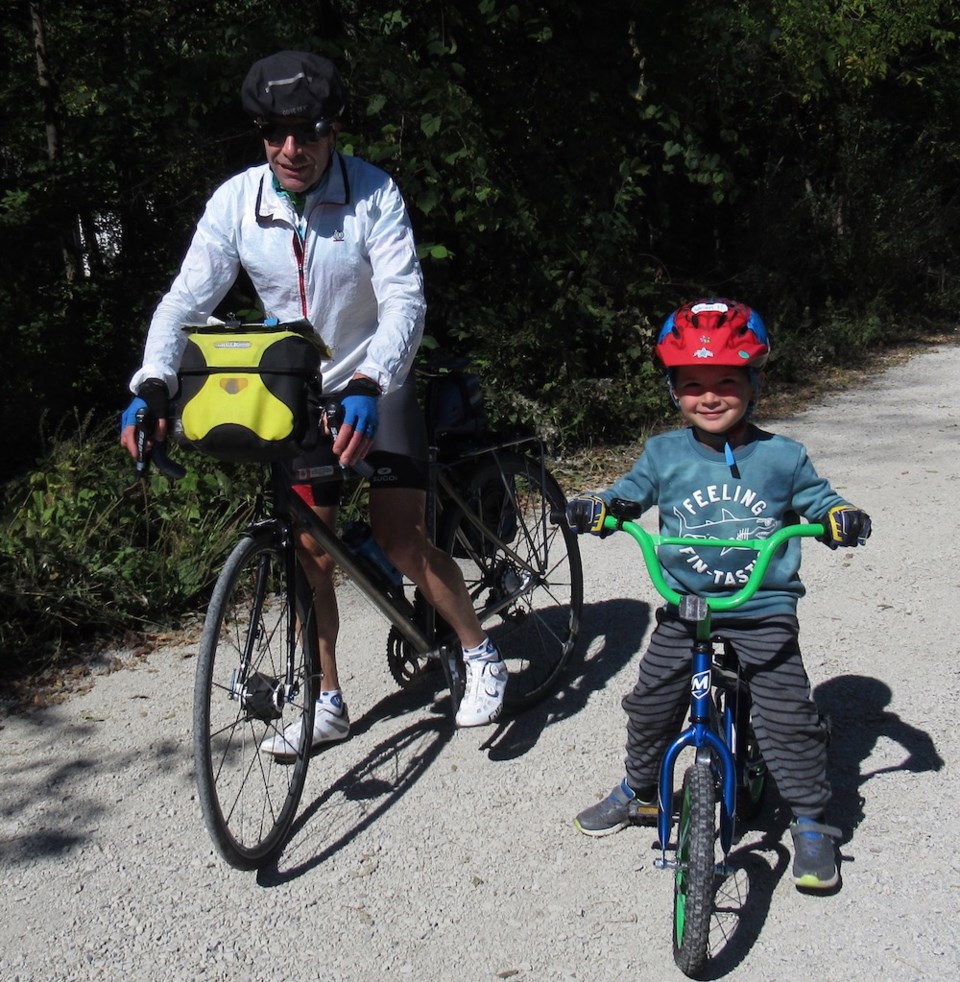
[366, 791]
[855, 706]
[743, 899]
[611, 633]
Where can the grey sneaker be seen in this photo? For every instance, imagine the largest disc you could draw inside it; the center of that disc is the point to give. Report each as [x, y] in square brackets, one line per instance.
[620, 808]
[815, 855]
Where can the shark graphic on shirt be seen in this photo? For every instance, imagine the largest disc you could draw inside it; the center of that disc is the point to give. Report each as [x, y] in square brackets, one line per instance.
[728, 527]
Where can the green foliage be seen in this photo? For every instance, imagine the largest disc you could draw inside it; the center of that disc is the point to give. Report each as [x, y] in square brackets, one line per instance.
[573, 173]
[87, 552]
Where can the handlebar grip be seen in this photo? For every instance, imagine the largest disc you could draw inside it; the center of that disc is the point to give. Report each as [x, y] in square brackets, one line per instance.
[168, 468]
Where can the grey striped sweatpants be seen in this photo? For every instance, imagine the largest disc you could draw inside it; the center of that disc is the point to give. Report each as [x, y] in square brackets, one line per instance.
[790, 731]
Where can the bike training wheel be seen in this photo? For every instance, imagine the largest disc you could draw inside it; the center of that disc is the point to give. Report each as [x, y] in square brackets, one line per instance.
[244, 696]
[521, 567]
[694, 881]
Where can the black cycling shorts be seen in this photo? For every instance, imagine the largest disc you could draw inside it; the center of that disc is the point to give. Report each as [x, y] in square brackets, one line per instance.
[398, 455]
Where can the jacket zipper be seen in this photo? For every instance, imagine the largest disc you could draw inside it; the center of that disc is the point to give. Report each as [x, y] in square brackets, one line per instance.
[298, 249]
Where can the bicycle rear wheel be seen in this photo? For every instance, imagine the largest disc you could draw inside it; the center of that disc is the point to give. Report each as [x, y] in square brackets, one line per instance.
[694, 882]
[521, 565]
[256, 674]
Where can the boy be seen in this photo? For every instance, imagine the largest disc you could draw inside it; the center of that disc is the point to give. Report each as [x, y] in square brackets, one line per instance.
[720, 477]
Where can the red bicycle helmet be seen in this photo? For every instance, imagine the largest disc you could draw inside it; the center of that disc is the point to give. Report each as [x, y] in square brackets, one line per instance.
[721, 332]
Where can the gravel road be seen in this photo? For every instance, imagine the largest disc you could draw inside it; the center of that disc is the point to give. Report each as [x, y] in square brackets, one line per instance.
[424, 853]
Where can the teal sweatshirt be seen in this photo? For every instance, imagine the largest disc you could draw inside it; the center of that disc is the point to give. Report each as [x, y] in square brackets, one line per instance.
[697, 494]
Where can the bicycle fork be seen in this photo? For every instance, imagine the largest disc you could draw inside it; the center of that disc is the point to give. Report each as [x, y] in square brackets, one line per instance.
[710, 747]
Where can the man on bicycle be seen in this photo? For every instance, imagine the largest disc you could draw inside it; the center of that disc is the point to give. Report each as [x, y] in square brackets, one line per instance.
[327, 237]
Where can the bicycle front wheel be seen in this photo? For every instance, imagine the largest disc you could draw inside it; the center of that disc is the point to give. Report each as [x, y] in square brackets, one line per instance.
[256, 674]
[694, 882]
[521, 565]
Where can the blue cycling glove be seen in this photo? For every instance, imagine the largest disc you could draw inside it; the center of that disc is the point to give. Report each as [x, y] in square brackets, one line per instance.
[360, 401]
[129, 416]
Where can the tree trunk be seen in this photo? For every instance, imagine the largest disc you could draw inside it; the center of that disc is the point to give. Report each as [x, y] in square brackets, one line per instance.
[48, 91]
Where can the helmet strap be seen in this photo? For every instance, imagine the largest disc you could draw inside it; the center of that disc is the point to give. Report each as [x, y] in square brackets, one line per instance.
[731, 459]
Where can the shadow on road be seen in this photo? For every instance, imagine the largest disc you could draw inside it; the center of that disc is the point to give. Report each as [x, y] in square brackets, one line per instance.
[358, 798]
[742, 900]
[56, 791]
[611, 632]
[856, 708]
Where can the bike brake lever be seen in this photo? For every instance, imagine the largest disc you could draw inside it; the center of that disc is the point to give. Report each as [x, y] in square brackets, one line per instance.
[146, 425]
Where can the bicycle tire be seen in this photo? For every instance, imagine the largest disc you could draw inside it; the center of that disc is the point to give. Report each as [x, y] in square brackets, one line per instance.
[249, 799]
[696, 867]
[525, 560]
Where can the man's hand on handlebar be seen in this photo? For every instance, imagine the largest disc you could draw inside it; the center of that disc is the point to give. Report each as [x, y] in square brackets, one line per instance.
[846, 526]
[143, 431]
[150, 401]
[586, 514]
[354, 437]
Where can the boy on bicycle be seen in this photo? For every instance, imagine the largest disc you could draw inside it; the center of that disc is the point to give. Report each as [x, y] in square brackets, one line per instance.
[722, 477]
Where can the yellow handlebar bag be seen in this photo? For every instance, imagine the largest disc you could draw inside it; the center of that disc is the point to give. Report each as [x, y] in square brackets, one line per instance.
[250, 394]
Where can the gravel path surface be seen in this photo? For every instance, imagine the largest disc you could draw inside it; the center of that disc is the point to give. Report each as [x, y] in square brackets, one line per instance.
[428, 854]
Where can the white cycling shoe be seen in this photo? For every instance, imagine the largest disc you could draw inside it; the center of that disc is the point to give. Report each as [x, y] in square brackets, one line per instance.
[328, 726]
[482, 700]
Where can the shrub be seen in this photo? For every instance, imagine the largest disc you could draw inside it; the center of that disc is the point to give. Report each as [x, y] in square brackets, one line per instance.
[87, 552]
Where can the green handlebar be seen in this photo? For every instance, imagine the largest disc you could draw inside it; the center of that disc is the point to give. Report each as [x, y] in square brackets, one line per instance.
[764, 548]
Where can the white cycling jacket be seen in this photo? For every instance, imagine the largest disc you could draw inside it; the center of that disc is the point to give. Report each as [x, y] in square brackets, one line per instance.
[349, 266]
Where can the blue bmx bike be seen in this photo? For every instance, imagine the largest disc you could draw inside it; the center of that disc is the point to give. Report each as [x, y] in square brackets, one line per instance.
[727, 767]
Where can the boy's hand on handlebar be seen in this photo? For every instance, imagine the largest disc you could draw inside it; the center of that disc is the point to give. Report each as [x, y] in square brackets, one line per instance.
[846, 526]
[586, 514]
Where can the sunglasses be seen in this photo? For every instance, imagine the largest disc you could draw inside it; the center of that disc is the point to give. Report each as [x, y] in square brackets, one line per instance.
[276, 134]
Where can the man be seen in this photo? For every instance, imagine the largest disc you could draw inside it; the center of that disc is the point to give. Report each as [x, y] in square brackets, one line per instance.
[327, 237]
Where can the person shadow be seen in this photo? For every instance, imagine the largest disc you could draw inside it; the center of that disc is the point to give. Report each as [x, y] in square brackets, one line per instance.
[358, 795]
[610, 633]
[856, 710]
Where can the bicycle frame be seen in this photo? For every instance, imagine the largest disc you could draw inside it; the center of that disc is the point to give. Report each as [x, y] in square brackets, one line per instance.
[443, 487]
[704, 734]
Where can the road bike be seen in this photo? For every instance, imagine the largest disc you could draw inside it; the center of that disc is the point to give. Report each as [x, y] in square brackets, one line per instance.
[727, 767]
[491, 504]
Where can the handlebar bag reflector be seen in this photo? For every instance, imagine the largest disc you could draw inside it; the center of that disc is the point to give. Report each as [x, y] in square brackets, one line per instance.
[249, 395]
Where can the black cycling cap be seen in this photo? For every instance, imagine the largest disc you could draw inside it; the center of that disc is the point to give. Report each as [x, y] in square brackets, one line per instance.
[293, 83]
